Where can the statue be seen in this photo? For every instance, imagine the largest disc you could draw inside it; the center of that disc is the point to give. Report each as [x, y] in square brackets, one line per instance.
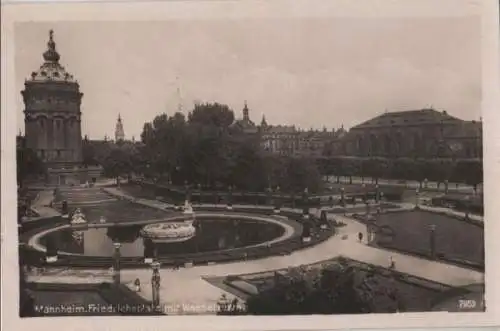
[78, 217]
[188, 208]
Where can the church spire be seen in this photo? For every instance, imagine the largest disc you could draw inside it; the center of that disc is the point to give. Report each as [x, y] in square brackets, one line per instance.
[119, 133]
[246, 117]
[263, 123]
[51, 54]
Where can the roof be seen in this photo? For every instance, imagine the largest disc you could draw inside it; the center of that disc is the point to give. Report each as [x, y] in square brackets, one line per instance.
[51, 70]
[279, 129]
[408, 118]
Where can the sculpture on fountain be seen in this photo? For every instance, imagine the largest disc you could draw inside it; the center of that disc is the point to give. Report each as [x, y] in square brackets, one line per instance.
[188, 208]
[78, 217]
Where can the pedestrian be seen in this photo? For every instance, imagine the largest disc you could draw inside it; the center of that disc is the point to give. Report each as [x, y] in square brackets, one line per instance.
[360, 236]
[234, 305]
[137, 285]
[392, 264]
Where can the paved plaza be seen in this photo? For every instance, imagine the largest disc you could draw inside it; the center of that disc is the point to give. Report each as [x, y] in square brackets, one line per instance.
[188, 287]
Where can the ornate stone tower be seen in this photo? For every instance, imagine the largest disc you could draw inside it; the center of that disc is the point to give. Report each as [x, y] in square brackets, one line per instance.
[119, 133]
[52, 119]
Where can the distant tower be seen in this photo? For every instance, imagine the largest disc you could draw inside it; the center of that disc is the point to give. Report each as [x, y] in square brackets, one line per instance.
[179, 96]
[263, 123]
[119, 133]
[246, 117]
[52, 113]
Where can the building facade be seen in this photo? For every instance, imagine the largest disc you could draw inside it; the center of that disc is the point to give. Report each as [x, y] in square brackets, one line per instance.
[289, 141]
[52, 118]
[425, 133]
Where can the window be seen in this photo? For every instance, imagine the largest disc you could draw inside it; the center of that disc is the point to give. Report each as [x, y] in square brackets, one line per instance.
[58, 124]
[58, 153]
[42, 123]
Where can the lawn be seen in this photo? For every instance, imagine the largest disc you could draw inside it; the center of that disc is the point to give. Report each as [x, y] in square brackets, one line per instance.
[454, 239]
[122, 211]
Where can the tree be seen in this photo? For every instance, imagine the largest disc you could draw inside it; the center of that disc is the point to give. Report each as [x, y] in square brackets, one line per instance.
[117, 163]
[350, 167]
[377, 168]
[470, 172]
[212, 115]
[402, 168]
[300, 174]
[248, 169]
[89, 153]
[28, 164]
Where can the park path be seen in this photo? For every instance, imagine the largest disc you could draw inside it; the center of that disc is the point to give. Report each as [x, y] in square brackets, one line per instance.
[185, 291]
[41, 205]
[411, 184]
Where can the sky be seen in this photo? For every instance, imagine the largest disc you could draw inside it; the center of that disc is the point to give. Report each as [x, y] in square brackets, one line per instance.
[308, 72]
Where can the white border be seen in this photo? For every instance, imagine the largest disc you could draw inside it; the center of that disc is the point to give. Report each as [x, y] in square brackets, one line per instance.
[188, 10]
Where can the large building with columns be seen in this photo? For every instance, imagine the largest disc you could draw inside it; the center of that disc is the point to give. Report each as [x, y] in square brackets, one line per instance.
[426, 133]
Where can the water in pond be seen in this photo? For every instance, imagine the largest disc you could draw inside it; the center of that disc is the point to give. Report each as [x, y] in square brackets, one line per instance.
[213, 235]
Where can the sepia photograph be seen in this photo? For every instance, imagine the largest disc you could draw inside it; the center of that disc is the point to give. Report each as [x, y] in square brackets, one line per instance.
[248, 166]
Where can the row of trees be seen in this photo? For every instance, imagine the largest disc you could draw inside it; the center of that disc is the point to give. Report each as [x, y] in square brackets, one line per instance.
[469, 171]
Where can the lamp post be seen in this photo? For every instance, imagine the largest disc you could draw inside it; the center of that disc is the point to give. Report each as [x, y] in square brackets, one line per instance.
[467, 210]
[200, 195]
[155, 283]
[269, 195]
[432, 241]
[305, 208]
[417, 197]
[277, 203]
[116, 264]
[342, 196]
[363, 188]
[377, 193]
[186, 190]
[446, 186]
[230, 198]
[65, 209]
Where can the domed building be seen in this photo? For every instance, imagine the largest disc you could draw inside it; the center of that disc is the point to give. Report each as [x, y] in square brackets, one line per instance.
[52, 100]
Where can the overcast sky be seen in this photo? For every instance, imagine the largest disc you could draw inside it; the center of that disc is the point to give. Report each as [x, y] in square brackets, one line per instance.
[303, 71]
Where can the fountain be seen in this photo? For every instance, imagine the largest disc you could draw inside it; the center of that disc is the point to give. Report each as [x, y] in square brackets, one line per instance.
[170, 232]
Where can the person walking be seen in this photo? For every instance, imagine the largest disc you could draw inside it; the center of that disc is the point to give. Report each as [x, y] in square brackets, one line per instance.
[392, 264]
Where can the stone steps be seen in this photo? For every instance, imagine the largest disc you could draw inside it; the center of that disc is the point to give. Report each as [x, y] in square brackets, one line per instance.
[84, 196]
